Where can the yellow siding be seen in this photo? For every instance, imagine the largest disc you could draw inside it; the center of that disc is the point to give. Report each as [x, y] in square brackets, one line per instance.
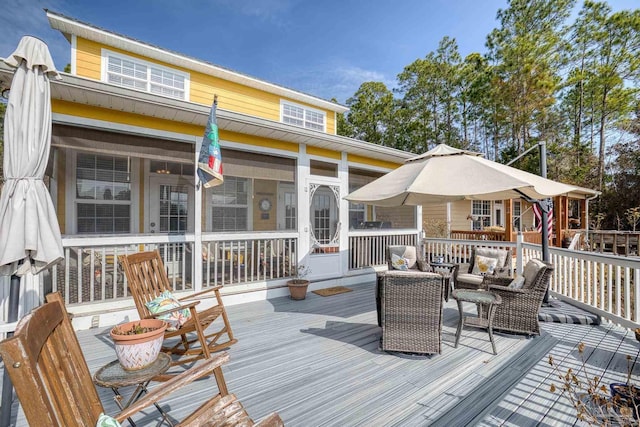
[231, 96]
[330, 154]
[331, 122]
[371, 162]
[88, 57]
[460, 210]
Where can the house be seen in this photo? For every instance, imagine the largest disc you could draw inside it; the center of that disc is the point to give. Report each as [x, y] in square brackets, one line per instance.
[128, 123]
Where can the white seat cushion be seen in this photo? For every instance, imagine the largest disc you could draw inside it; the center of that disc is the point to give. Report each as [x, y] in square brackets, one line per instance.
[499, 254]
[531, 271]
[472, 279]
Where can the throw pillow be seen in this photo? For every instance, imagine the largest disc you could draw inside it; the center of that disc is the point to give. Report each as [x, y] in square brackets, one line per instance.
[517, 282]
[166, 301]
[399, 263]
[484, 265]
[107, 421]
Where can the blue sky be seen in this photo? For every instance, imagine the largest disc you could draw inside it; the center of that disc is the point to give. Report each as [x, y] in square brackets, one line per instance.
[326, 48]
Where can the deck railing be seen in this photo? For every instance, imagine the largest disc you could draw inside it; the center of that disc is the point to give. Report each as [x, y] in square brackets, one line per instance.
[367, 248]
[606, 285]
[91, 273]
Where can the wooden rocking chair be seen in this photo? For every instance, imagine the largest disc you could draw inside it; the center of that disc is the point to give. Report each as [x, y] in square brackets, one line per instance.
[147, 280]
[54, 386]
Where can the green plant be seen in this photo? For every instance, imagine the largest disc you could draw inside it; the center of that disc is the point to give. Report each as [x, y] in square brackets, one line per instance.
[590, 397]
[135, 330]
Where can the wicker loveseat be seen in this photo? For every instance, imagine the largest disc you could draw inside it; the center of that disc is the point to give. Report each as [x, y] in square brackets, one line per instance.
[465, 278]
[411, 311]
[519, 309]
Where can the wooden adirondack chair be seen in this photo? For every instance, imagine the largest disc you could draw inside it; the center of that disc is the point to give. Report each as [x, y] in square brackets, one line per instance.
[147, 279]
[52, 380]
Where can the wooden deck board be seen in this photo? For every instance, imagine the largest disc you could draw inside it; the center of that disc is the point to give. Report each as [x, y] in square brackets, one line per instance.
[317, 362]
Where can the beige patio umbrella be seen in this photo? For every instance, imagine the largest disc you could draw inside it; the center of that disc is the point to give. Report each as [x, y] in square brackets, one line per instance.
[29, 232]
[447, 174]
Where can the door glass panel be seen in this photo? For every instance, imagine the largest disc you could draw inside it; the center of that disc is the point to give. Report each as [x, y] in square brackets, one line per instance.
[324, 215]
[173, 209]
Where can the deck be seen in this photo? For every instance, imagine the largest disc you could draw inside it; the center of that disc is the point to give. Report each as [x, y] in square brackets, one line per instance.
[317, 363]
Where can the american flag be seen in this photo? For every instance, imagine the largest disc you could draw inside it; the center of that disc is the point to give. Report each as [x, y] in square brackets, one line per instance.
[538, 213]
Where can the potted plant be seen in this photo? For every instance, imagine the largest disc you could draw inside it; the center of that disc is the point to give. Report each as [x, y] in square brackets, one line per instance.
[298, 285]
[138, 343]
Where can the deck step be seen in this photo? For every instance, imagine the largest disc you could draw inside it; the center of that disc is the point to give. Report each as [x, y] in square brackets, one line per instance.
[561, 312]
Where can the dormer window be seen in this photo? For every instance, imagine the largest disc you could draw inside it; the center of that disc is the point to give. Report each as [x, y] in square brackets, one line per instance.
[137, 74]
[298, 115]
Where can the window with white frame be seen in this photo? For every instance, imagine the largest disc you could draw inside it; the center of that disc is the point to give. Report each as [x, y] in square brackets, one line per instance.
[298, 115]
[517, 212]
[134, 73]
[481, 212]
[230, 205]
[103, 194]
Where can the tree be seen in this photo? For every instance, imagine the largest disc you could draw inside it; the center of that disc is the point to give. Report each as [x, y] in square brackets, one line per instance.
[371, 113]
[525, 53]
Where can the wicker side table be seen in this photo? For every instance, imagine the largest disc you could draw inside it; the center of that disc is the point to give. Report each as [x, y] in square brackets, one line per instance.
[113, 376]
[484, 298]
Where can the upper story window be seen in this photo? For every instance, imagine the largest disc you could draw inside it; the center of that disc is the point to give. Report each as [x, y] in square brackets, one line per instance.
[137, 74]
[298, 115]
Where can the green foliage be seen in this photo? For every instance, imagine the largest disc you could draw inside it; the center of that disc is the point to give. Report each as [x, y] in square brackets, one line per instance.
[570, 82]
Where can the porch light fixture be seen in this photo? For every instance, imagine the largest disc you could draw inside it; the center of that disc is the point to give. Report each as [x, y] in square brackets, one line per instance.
[164, 170]
[472, 217]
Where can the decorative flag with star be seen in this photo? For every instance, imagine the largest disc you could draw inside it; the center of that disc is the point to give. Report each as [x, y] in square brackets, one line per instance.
[210, 159]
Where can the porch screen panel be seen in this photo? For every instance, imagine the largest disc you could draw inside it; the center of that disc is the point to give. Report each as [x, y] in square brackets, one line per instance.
[395, 217]
[103, 194]
[251, 197]
[110, 143]
[358, 211]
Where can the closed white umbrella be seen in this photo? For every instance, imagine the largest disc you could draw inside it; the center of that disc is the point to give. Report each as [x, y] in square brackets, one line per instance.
[446, 174]
[29, 232]
[30, 237]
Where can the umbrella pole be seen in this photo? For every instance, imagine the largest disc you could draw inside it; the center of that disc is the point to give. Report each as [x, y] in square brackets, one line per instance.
[7, 387]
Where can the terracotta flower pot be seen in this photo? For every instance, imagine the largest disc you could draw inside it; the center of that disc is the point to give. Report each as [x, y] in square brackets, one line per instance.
[138, 350]
[298, 288]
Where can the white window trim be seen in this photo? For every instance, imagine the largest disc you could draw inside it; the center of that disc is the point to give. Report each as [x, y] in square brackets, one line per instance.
[305, 108]
[105, 53]
[70, 197]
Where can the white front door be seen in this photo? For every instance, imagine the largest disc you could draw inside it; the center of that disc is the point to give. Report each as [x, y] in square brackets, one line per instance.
[170, 203]
[171, 200]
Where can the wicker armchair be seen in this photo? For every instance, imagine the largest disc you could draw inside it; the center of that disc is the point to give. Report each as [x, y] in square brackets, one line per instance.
[519, 309]
[411, 311]
[464, 277]
[416, 263]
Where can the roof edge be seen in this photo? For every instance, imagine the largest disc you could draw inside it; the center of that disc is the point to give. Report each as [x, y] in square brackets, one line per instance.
[56, 20]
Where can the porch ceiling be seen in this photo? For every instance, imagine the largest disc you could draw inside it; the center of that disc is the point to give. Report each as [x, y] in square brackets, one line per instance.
[90, 92]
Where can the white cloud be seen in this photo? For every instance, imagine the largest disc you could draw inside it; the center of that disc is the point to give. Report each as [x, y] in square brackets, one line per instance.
[27, 17]
[339, 82]
[272, 11]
